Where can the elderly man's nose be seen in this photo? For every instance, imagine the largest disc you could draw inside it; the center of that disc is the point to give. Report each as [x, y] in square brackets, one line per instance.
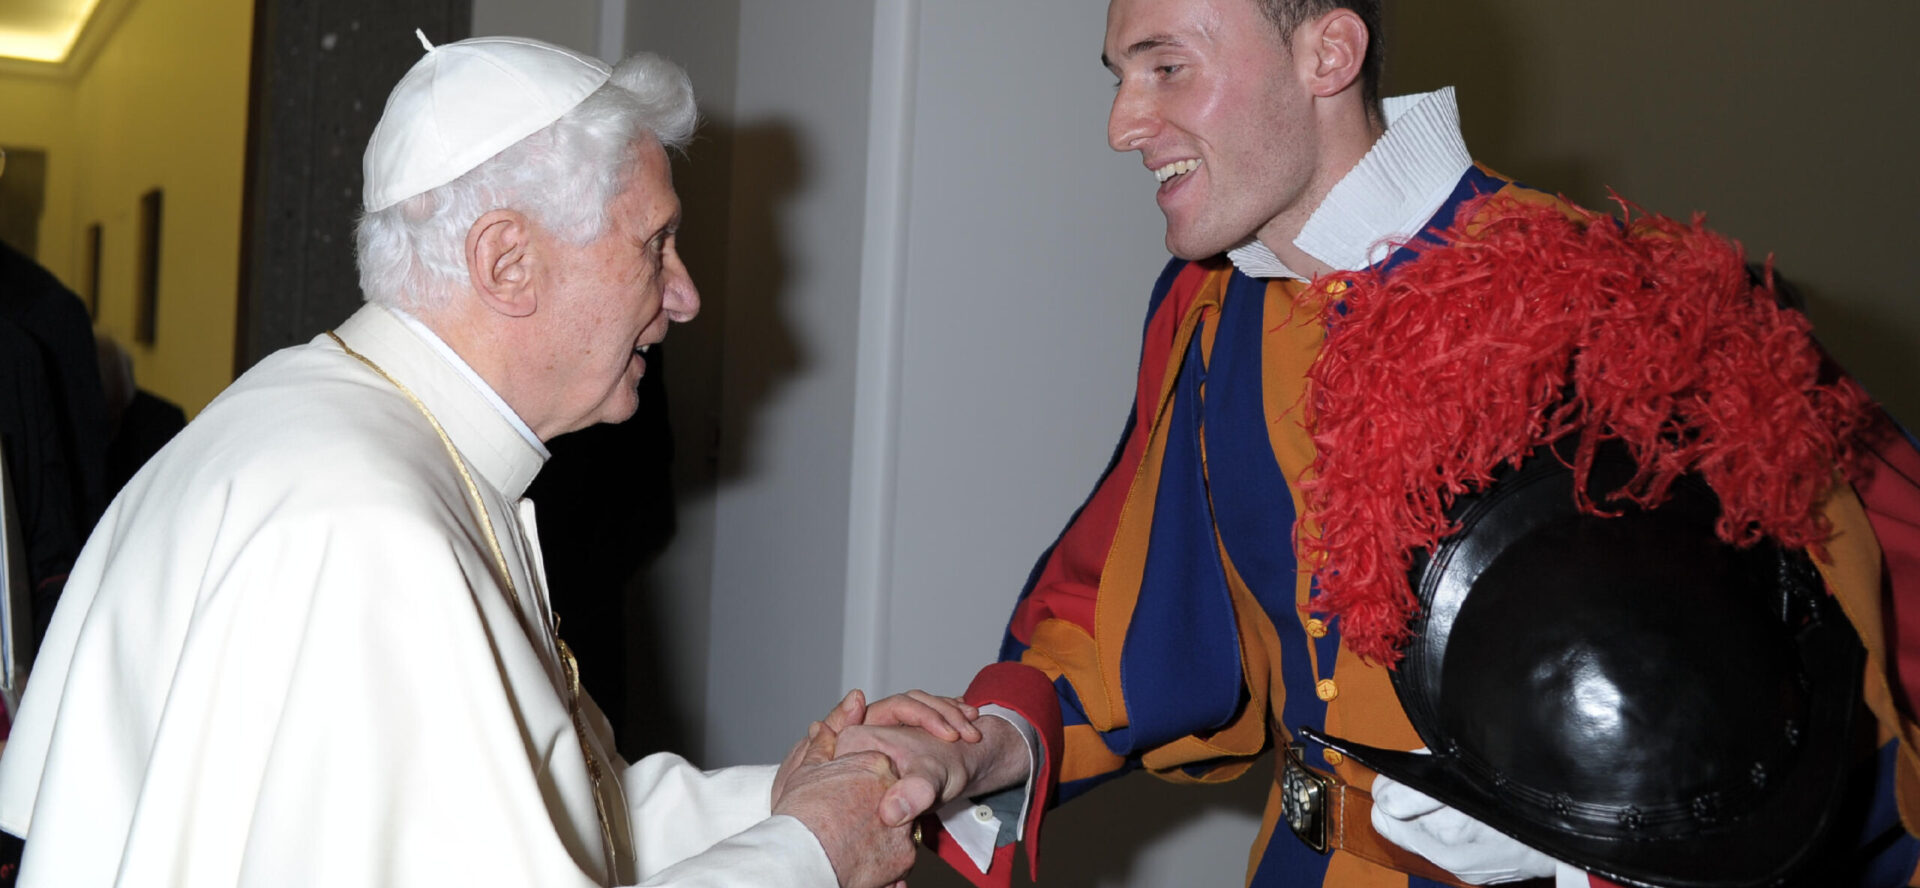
[679, 298]
[682, 301]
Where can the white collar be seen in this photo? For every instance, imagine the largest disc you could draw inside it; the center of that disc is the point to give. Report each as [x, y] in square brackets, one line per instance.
[1386, 198]
[488, 435]
[466, 370]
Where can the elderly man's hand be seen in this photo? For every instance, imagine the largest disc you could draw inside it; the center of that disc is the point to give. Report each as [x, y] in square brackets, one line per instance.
[837, 799]
[931, 770]
[851, 710]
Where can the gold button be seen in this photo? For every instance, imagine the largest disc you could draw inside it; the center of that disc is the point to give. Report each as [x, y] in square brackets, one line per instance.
[1333, 758]
[1326, 689]
[1316, 629]
[1335, 288]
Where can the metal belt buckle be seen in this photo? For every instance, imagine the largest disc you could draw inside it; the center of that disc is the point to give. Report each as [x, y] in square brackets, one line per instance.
[1304, 795]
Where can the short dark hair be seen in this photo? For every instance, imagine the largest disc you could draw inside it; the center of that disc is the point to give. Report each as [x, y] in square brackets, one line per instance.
[1288, 15]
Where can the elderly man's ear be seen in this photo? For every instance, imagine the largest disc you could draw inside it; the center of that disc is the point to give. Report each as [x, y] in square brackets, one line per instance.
[500, 263]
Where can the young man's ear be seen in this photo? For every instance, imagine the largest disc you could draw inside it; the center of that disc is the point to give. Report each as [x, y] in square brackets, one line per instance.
[1334, 45]
[500, 262]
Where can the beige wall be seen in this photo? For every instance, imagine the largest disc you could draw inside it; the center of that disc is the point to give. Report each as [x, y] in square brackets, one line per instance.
[1787, 123]
[163, 105]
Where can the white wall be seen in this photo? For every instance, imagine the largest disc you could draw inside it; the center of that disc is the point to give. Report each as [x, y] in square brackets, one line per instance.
[571, 23]
[790, 323]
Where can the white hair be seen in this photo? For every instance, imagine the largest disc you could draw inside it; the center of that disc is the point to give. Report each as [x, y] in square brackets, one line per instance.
[412, 254]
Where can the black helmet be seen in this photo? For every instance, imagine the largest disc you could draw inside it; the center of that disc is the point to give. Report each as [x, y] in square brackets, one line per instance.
[1626, 693]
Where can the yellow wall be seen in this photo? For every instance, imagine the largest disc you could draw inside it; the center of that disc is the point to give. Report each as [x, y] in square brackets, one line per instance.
[38, 113]
[164, 104]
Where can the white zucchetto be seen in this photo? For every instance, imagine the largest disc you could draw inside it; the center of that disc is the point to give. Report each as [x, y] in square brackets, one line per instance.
[465, 102]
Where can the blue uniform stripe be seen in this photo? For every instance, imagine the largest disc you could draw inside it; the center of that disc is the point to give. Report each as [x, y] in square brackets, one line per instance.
[1180, 665]
[1255, 510]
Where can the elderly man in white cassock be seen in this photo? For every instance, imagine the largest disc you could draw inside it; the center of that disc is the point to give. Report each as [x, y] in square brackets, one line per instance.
[310, 644]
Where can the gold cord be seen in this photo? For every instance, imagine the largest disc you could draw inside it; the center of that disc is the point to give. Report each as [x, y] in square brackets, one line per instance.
[569, 666]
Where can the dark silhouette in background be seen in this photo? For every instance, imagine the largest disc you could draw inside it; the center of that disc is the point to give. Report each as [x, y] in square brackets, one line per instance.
[68, 414]
[140, 421]
[606, 510]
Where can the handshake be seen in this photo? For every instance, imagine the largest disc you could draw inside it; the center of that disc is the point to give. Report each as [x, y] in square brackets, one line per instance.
[864, 773]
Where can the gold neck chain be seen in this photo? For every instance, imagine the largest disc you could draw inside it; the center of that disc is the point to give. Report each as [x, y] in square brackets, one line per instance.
[571, 667]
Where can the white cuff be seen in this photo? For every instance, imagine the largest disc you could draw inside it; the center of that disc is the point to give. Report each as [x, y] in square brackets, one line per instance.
[974, 826]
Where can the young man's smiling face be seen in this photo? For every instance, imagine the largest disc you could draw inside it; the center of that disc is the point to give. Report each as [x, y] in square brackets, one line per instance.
[1213, 100]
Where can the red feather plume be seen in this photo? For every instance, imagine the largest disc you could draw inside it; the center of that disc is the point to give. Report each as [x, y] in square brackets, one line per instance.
[1534, 323]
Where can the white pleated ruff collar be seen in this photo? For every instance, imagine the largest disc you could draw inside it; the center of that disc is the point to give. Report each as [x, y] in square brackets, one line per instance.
[1386, 198]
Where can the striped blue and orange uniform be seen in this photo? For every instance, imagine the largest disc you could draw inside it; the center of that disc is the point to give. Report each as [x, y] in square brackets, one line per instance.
[1164, 629]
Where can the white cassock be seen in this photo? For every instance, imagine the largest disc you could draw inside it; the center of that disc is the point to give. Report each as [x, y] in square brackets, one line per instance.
[284, 659]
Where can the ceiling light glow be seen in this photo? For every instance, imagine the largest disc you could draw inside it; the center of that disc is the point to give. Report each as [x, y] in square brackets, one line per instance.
[43, 30]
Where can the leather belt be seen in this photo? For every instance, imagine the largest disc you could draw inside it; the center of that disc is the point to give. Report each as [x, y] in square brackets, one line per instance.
[1330, 815]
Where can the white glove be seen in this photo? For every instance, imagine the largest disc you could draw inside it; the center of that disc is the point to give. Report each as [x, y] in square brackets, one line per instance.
[1474, 852]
